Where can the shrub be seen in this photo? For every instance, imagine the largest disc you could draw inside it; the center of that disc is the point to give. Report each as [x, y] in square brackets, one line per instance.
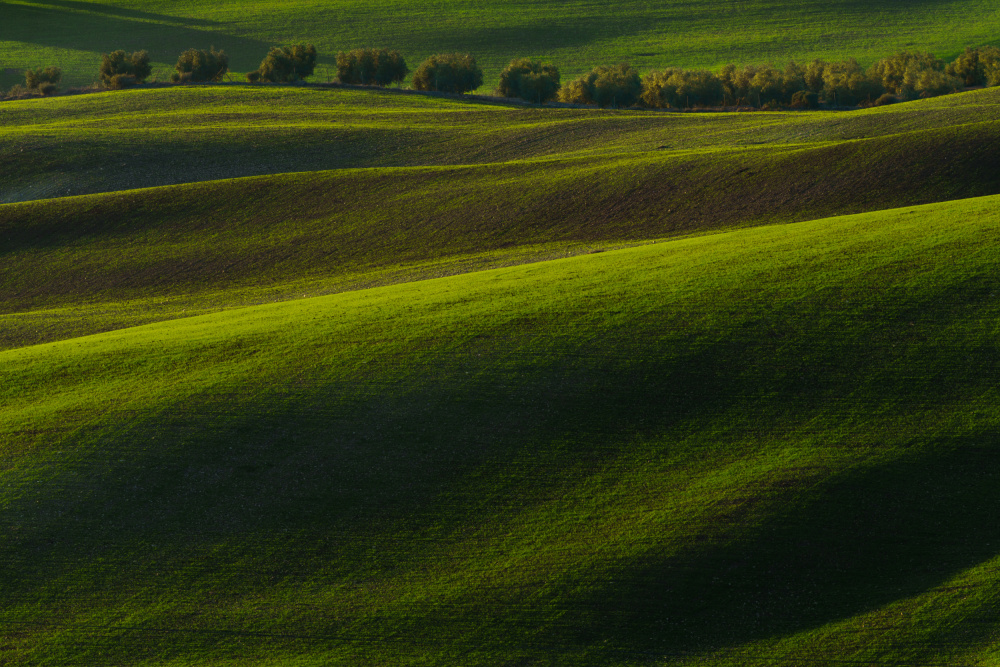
[449, 73]
[35, 79]
[885, 98]
[19, 91]
[530, 80]
[804, 99]
[679, 88]
[378, 67]
[198, 65]
[253, 77]
[975, 66]
[119, 64]
[48, 88]
[121, 81]
[615, 86]
[288, 63]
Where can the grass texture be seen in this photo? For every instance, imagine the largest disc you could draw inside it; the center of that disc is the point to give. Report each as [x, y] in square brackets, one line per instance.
[574, 34]
[772, 446]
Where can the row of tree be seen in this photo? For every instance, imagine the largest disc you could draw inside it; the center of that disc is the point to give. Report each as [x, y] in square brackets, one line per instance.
[903, 76]
[906, 75]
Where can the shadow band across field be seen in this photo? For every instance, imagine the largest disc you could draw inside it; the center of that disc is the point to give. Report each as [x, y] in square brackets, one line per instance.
[102, 29]
[375, 466]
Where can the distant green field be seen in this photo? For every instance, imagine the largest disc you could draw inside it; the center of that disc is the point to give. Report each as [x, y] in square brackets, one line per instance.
[575, 34]
[124, 140]
[774, 446]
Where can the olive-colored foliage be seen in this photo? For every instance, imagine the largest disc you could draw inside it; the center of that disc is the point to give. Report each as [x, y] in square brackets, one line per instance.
[378, 67]
[121, 81]
[901, 73]
[19, 91]
[449, 73]
[758, 85]
[46, 77]
[847, 84]
[288, 64]
[606, 86]
[804, 99]
[120, 69]
[931, 83]
[530, 80]
[200, 65]
[977, 67]
[254, 76]
[884, 99]
[681, 88]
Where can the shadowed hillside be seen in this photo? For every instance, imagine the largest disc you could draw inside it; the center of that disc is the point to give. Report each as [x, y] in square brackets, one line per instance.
[87, 264]
[761, 447]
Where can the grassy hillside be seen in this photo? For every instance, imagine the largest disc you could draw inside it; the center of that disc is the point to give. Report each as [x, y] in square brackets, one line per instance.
[457, 187]
[573, 33]
[124, 140]
[771, 446]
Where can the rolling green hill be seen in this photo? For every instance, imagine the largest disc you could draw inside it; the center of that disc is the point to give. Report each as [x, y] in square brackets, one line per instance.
[124, 140]
[424, 187]
[574, 34]
[318, 376]
[772, 446]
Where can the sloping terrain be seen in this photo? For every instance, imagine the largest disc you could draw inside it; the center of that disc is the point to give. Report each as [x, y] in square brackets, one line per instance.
[460, 187]
[125, 140]
[575, 34]
[769, 446]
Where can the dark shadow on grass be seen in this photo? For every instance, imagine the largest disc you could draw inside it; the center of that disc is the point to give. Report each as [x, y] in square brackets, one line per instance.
[124, 13]
[859, 542]
[54, 26]
[371, 471]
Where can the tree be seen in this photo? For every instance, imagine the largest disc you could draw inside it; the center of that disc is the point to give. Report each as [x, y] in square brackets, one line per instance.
[847, 84]
[288, 63]
[43, 80]
[378, 67]
[900, 73]
[449, 73]
[198, 65]
[975, 66]
[614, 86]
[120, 70]
[529, 80]
[681, 88]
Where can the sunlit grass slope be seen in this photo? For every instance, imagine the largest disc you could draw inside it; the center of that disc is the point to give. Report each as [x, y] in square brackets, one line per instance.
[464, 187]
[123, 140]
[774, 446]
[575, 34]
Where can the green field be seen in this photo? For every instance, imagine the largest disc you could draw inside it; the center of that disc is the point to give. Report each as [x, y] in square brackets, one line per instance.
[574, 34]
[769, 446]
[316, 376]
[414, 187]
